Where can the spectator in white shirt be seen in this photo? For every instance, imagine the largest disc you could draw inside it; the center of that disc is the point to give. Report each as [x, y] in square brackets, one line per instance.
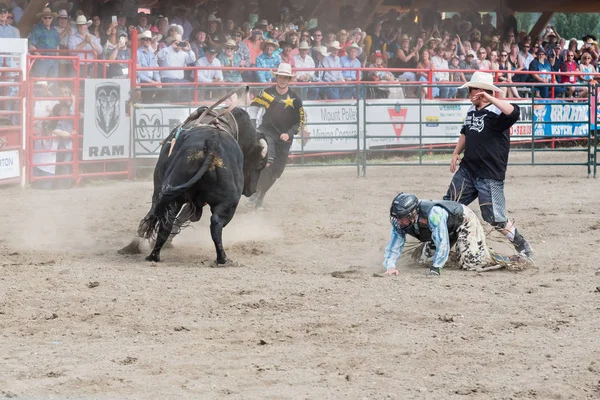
[177, 54]
[333, 61]
[85, 42]
[439, 62]
[209, 75]
[303, 60]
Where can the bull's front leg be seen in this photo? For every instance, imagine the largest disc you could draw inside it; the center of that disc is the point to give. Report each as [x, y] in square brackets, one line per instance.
[165, 227]
[164, 230]
[219, 219]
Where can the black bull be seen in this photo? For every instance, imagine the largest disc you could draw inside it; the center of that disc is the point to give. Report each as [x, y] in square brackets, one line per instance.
[207, 166]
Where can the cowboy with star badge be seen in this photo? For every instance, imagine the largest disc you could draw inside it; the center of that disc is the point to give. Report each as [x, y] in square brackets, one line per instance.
[283, 118]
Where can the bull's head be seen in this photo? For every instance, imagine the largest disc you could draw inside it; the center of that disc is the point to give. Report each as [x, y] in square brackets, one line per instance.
[254, 162]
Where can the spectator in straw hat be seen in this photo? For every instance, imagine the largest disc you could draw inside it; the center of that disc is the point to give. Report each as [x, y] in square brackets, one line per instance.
[283, 119]
[334, 74]
[320, 53]
[303, 60]
[44, 36]
[350, 61]
[286, 52]
[214, 29]
[86, 43]
[243, 49]
[142, 22]
[230, 58]
[485, 140]
[267, 59]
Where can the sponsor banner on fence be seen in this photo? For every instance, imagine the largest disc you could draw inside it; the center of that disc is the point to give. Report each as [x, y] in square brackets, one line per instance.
[576, 117]
[332, 126]
[106, 127]
[152, 124]
[337, 126]
[389, 124]
[9, 164]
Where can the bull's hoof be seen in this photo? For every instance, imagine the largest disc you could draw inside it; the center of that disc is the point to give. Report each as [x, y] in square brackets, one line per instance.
[131, 248]
[227, 264]
[153, 258]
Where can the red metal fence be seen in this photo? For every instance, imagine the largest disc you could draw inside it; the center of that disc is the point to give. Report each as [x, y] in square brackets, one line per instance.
[40, 150]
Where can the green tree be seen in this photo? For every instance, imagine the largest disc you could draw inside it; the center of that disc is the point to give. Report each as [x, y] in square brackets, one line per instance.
[575, 25]
[525, 21]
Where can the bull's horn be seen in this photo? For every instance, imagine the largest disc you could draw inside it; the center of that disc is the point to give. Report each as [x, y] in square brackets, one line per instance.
[263, 144]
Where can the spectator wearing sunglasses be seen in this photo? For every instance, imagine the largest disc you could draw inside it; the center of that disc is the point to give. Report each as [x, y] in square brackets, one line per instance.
[542, 67]
[525, 55]
[7, 31]
[44, 36]
[587, 67]
[569, 65]
[504, 64]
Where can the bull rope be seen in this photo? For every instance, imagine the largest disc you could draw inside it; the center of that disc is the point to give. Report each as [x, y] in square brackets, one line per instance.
[194, 116]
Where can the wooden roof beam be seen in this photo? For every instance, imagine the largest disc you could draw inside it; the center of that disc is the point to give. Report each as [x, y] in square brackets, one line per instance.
[29, 18]
[541, 23]
[309, 11]
[369, 10]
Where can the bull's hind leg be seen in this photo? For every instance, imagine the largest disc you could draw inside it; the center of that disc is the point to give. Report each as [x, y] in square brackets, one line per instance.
[221, 215]
[165, 227]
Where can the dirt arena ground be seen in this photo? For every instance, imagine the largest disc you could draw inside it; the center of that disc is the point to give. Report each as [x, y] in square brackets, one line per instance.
[303, 315]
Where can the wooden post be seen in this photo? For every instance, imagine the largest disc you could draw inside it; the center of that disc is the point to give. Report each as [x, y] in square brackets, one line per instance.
[29, 18]
[541, 23]
[369, 10]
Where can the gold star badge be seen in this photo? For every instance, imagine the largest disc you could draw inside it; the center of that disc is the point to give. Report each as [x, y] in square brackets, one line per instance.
[289, 102]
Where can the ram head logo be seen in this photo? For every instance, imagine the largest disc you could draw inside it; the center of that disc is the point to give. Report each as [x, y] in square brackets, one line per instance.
[108, 102]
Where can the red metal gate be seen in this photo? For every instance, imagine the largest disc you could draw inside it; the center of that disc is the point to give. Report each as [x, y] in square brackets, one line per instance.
[11, 125]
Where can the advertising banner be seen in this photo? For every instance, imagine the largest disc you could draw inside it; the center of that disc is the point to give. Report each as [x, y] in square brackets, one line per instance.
[106, 132]
[152, 124]
[338, 126]
[9, 164]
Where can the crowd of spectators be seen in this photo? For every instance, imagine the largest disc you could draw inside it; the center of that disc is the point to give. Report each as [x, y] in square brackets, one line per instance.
[452, 48]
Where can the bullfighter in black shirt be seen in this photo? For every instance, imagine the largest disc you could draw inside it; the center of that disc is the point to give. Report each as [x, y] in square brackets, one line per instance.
[485, 140]
[283, 118]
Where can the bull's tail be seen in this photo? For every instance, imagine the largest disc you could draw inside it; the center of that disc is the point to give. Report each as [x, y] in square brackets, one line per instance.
[165, 209]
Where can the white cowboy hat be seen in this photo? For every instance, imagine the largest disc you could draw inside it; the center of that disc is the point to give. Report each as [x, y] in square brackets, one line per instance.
[353, 46]
[62, 14]
[232, 44]
[304, 46]
[46, 13]
[335, 45]
[322, 50]
[145, 35]
[213, 18]
[481, 80]
[81, 20]
[271, 42]
[284, 69]
[175, 38]
[178, 28]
